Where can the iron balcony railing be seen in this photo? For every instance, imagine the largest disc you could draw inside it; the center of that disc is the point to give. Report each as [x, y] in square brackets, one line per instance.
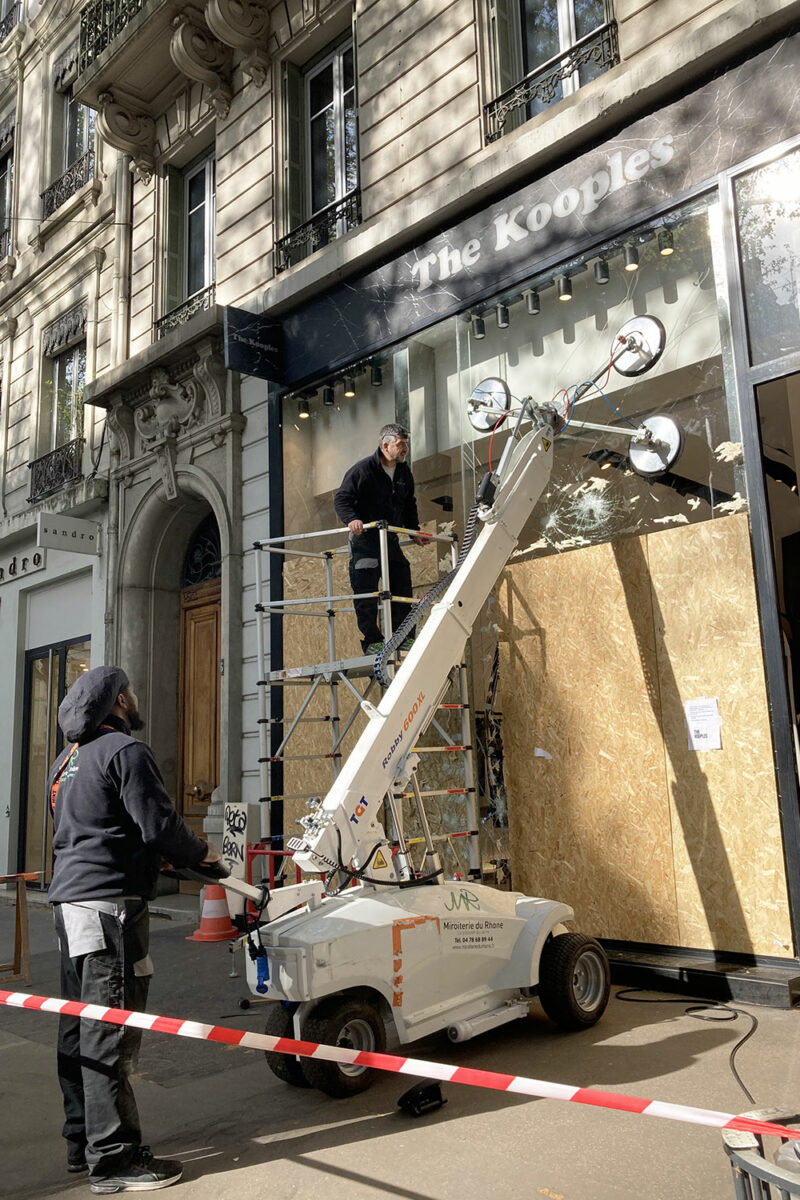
[100, 24]
[176, 317]
[56, 470]
[601, 48]
[324, 227]
[5, 241]
[9, 21]
[70, 182]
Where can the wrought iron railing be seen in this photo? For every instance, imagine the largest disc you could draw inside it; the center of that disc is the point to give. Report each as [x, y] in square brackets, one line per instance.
[199, 302]
[100, 24]
[324, 227]
[5, 241]
[56, 470]
[9, 21]
[601, 48]
[70, 182]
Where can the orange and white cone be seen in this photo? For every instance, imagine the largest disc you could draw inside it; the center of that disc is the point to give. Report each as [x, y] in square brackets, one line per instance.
[215, 921]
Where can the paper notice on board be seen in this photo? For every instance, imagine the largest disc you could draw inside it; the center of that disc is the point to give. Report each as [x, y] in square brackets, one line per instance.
[703, 723]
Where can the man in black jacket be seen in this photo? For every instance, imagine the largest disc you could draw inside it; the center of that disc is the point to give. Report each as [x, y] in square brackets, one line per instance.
[379, 488]
[112, 822]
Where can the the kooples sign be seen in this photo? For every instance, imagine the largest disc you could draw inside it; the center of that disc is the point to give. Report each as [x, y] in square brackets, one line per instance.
[521, 222]
[20, 565]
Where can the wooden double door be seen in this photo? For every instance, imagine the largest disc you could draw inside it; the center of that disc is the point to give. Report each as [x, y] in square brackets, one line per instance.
[199, 708]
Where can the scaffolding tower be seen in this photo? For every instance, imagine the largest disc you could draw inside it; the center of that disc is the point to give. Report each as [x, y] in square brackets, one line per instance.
[326, 678]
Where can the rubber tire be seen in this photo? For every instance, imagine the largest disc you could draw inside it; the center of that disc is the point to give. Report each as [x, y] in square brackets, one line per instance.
[287, 1068]
[325, 1025]
[558, 966]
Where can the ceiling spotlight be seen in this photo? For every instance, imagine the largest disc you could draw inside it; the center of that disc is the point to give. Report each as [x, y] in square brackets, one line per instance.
[376, 375]
[563, 287]
[303, 410]
[349, 386]
[601, 271]
[631, 258]
[501, 312]
[665, 246]
[532, 301]
[478, 326]
[328, 397]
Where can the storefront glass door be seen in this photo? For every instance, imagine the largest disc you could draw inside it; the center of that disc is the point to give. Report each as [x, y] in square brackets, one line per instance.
[49, 673]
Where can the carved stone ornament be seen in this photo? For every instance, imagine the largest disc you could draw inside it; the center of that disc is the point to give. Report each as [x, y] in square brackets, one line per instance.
[210, 373]
[7, 126]
[120, 425]
[168, 411]
[68, 329]
[200, 56]
[65, 68]
[243, 24]
[132, 133]
[166, 455]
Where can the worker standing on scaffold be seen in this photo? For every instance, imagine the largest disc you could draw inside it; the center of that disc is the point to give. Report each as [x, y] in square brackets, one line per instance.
[379, 488]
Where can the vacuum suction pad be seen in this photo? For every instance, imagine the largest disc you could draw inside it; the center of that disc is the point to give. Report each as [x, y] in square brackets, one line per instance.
[653, 456]
[646, 338]
[487, 404]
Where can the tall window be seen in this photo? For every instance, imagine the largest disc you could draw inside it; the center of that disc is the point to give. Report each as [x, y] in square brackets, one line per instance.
[72, 153]
[545, 50]
[69, 377]
[78, 135]
[6, 175]
[321, 196]
[189, 260]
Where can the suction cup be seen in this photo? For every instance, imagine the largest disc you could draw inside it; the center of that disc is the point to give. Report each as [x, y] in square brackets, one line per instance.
[646, 338]
[650, 457]
[488, 403]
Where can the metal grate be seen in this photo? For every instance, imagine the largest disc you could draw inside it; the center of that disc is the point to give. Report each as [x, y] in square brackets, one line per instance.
[56, 470]
[601, 47]
[324, 227]
[70, 182]
[176, 317]
[100, 24]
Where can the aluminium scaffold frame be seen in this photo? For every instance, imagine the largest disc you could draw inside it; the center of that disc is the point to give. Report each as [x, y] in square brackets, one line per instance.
[328, 675]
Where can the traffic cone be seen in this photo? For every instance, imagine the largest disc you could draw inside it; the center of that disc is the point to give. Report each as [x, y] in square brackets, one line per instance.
[215, 921]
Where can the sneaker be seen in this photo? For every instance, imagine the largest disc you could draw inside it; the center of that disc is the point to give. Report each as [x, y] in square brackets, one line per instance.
[76, 1164]
[374, 647]
[144, 1174]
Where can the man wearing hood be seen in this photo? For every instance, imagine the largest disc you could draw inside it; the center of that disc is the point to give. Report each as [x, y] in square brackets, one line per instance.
[112, 823]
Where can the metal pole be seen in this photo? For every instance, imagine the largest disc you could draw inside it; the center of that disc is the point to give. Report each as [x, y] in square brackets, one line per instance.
[386, 606]
[473, 810]
[264, 726]
[47, 757]
[334, 684]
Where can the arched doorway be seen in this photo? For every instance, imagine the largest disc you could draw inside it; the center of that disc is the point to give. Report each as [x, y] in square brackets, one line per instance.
[198, 766]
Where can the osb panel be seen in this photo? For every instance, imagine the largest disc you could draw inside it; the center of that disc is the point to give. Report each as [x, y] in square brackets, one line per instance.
[589, 824]
[729, 867]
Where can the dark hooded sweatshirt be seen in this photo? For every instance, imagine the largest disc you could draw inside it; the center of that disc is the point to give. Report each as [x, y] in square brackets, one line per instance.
[113, 820]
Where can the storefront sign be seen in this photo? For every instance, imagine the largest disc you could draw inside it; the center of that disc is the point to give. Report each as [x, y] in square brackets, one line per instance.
[598, 195]
[67, 533]
[253, 344]
[19, 565]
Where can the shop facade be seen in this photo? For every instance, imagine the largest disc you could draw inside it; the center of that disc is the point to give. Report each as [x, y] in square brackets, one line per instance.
[628, 599]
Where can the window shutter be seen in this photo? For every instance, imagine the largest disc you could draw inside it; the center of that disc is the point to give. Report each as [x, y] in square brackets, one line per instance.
[294, 165]
[174, 287]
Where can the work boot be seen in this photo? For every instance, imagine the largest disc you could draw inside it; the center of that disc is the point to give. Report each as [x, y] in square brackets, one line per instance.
[144, 1174]
[76, 1161]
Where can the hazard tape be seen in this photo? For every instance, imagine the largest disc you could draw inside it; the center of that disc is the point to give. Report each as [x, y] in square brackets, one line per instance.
[517, 1085]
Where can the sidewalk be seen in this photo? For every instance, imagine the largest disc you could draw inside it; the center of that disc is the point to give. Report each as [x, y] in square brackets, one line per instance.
[243, 1134]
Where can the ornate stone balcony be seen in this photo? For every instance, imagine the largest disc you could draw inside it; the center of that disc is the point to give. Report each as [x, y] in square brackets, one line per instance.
[178, 316]
[70, 182]
[56, 470]
[136, 56]
[599, 49]
[324, 227]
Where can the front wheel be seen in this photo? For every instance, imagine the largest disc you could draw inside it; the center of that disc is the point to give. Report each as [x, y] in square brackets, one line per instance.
[354, 1024]
[574, 980]
[280, 1024]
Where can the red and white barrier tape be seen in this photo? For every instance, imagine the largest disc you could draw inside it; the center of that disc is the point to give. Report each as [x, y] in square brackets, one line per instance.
[518, 1085]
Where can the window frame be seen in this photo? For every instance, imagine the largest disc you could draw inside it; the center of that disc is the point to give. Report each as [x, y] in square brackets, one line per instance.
[208, 168]
[335, 58]
[75, 430]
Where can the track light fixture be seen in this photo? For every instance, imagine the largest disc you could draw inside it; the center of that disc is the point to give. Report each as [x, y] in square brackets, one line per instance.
[478, 326]
[665, 246]
[376, 375]
[563, 287]
[501, 313]
[532, 303]
[631, 257]
[349, 386]
[601, 271]
[303, 411]
[328, 397]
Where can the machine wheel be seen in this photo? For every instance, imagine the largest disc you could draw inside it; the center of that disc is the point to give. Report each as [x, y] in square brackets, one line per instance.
[574, 980]
[285, 1066]
[343, 1021]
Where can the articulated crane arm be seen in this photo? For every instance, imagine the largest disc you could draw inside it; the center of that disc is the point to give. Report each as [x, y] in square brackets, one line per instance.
[344, 831]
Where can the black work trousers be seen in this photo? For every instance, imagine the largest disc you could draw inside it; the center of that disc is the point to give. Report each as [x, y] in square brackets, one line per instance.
[95, 1059]
[365, 572]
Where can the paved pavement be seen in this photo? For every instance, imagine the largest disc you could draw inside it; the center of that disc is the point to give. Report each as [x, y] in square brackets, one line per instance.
[243, 1135]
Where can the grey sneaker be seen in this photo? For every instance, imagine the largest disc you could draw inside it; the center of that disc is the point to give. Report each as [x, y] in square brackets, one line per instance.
[144, 1174]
